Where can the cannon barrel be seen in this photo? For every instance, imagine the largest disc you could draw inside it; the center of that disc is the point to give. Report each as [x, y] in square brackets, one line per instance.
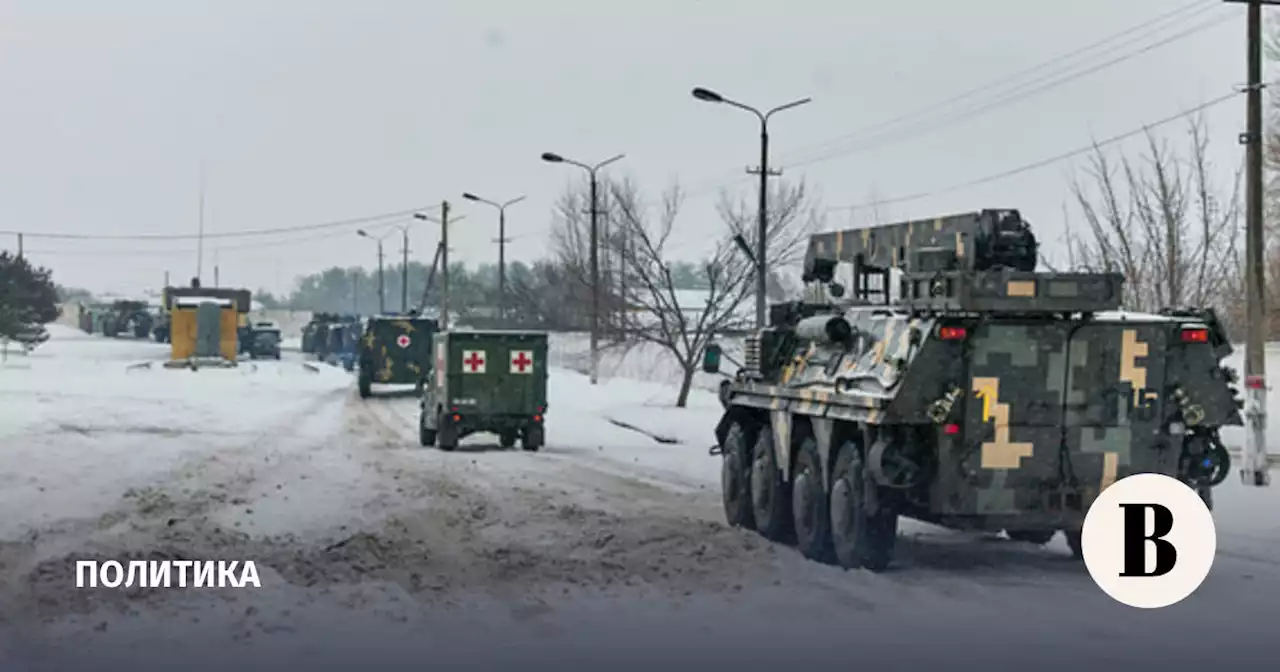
[825, 329]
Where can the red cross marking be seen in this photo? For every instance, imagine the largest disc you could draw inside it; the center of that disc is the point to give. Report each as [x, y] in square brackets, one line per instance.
[475, 361]
[403, 341]
[522, 362]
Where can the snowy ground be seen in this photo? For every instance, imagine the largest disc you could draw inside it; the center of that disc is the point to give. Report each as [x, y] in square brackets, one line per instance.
[606, 539]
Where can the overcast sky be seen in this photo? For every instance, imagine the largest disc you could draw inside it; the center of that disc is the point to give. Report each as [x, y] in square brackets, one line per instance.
[310, 111]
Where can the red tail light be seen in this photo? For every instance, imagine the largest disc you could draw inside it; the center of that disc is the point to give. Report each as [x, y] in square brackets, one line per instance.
[537, 418]
[951, 429]
[952, 333]
[1195, 335]
[1255, 382]
[457, 418]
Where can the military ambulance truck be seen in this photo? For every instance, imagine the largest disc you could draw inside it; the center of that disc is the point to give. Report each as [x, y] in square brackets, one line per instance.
[394, 350]
[486, 381]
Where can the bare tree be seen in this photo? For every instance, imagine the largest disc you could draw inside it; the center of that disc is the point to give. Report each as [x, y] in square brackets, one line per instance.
[1162, 222]
[660, 313]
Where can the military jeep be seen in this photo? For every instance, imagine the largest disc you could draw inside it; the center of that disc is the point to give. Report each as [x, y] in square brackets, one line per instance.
[486, 381]
[394, 350]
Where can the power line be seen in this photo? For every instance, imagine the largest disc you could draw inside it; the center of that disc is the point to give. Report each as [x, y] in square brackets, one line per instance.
[224, 234]
[1171, 17]
[1043, 162]
[1017, 96]
[221, 248]
[1143, 29]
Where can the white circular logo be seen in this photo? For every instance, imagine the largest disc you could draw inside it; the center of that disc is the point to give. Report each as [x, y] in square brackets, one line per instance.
[1149, 541]
[403, 341]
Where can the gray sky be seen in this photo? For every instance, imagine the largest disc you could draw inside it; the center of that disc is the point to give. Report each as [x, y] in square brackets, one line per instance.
[309, 111]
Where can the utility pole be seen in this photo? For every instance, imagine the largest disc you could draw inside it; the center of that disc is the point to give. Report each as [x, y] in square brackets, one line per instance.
[215, 268]
[19, 245]
[200, 236]
[762, 224]
[502, 247]
[404, 271]
[593, 171]
[1255, 467]
[166, 278]
[444, 266]
[355, 293]
[382, 284]
[762, 227]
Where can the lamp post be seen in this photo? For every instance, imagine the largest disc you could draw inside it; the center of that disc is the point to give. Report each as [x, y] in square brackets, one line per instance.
[762, 224]
[382, 298]
[595, 252]
[502, 247]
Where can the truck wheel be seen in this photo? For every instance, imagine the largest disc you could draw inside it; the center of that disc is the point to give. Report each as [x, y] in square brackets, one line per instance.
[507, 440]
[860, 538]
[366, 385]
[735, 476]
[812, 518]
[770, 495]
[1037, 537]
[446, 435]
[533, 439]
[426, 435]
[1073, 542]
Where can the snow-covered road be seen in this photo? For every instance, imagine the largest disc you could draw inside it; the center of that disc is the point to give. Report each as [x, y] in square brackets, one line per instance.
[363, 536]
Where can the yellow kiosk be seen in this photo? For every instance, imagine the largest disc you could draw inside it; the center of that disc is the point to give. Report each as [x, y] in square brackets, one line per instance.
[204, 325]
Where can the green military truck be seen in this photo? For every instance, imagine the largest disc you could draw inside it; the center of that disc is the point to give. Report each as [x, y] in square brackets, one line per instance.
[486, 381]
[394, 350]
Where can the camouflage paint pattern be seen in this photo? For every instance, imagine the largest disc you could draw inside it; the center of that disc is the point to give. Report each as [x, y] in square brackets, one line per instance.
[389, 362]
[1049, 411]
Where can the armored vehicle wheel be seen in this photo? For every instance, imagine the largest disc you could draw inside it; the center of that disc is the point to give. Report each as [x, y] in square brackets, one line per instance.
[735, 476]
[1073, 542]
[446, 435]
[533, 439]
[507, 440]
[809, 504]
[860, 538]
[770, 494]
[1037, 537]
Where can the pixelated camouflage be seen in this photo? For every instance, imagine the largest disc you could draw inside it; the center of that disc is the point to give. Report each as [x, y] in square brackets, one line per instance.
[996, 409]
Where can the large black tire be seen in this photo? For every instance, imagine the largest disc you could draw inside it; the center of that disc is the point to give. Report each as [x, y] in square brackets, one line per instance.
[860, 539]
[507, 440]
[1037, 537]
[426, 435]
[770, 494]
[365, 382]
[446, 435]
[735, 475]
[809, 505]
[533, 440]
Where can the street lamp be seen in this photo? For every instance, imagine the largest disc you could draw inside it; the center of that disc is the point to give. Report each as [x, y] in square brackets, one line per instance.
[502, 247]
[709, 96]
[382, 299]
[549, 157]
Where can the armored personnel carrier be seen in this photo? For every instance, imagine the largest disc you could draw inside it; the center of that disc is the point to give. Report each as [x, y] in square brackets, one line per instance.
[958, 386]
